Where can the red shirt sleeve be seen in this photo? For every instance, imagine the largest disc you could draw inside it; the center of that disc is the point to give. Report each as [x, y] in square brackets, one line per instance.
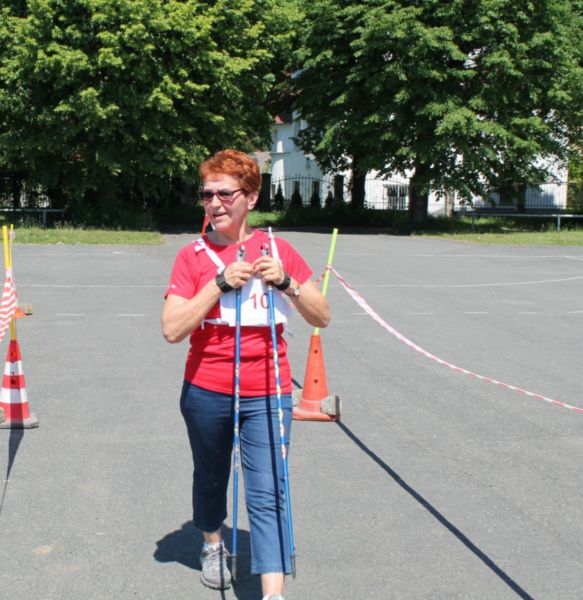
[185, 274]
[292, 261]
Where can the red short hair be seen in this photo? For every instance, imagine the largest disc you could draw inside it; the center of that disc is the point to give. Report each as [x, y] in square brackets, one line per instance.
[235, 164]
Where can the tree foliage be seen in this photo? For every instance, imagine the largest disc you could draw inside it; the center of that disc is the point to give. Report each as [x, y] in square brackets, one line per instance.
[115, 99]
[464, 94]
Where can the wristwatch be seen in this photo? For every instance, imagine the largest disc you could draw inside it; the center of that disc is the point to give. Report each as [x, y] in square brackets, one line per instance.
[286, 287]
[222, 283]
[293, 292]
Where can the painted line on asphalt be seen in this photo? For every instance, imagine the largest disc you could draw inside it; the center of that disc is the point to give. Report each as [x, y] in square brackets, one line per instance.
[362, 313]
[91, 286]
[465, 285]
[84, 254]
[465, 256]
[117, 315]
[368, 286]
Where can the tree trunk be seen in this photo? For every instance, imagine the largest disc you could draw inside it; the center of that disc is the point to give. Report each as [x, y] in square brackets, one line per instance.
[16, 184]
[357, 183]
[264, 193]
[418, 195]
[338, 190]
[513, 195]
[521, 197]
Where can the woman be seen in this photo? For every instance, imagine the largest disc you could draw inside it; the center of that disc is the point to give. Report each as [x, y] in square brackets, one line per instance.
[199, 303]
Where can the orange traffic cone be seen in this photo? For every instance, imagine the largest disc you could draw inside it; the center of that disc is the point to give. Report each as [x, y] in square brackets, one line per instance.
[314, 403]
[13, 397]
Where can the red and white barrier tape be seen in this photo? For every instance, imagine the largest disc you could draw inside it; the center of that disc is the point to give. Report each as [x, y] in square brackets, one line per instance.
[364, 304]
[321, 278]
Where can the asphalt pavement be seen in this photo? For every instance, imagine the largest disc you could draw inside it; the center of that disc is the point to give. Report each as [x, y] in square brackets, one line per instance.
[437, 484]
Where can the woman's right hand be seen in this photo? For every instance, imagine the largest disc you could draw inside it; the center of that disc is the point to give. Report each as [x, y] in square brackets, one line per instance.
[181, 316]
[237, 274]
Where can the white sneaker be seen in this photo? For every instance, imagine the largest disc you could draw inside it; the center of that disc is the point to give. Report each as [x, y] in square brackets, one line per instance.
[215, 573]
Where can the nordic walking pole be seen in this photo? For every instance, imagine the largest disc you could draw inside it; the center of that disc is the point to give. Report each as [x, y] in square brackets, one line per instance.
[240, 257]
[271, 304]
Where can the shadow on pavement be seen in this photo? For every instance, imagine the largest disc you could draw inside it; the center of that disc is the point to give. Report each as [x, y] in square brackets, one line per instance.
[437, 515]
[183, 546]
[14, 440]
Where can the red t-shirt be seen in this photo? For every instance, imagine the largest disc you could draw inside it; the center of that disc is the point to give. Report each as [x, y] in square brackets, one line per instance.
[210, 361]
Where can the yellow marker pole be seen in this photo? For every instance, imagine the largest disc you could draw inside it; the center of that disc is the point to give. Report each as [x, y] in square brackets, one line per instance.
[8, 265]
[328, 268]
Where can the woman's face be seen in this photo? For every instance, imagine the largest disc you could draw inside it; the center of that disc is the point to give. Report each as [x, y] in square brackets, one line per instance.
[227, 215]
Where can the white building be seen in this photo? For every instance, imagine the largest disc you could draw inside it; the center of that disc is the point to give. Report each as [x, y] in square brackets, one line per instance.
[294, 171]
[291, 169]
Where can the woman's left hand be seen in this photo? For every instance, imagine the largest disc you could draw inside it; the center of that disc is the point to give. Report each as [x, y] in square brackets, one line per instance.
[269, 269]
[310, 303]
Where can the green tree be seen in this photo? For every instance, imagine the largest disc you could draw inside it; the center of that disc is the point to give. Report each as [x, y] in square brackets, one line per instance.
[465, 95]
[336, 134]
[113, 100]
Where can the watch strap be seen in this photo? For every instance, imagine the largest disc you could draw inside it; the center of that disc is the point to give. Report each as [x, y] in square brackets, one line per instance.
[285, 283]
[222, 283]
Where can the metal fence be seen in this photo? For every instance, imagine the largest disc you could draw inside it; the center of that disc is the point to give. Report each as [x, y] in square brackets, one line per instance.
[380, 194]
[392, 194]
[301, 191]
[556, 196]
[17, 193]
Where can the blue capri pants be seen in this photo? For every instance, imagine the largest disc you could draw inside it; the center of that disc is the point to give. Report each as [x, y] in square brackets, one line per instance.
[209, 422]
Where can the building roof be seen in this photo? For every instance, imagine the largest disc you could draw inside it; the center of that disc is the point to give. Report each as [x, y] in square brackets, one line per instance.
[283, 118]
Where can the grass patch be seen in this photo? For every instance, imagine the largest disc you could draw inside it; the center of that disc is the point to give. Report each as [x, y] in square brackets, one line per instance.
[265, 219]
[506, 231]
[515, 238]
[73, 235]
[487, 230]
[338, 216]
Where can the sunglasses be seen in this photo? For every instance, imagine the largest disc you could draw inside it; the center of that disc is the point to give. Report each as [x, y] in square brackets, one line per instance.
[226, 196]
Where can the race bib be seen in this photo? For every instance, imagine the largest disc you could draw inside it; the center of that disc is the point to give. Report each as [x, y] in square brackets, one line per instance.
[254, 306]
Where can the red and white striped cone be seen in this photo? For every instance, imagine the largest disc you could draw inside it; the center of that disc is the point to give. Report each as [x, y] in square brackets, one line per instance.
[13, 396]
